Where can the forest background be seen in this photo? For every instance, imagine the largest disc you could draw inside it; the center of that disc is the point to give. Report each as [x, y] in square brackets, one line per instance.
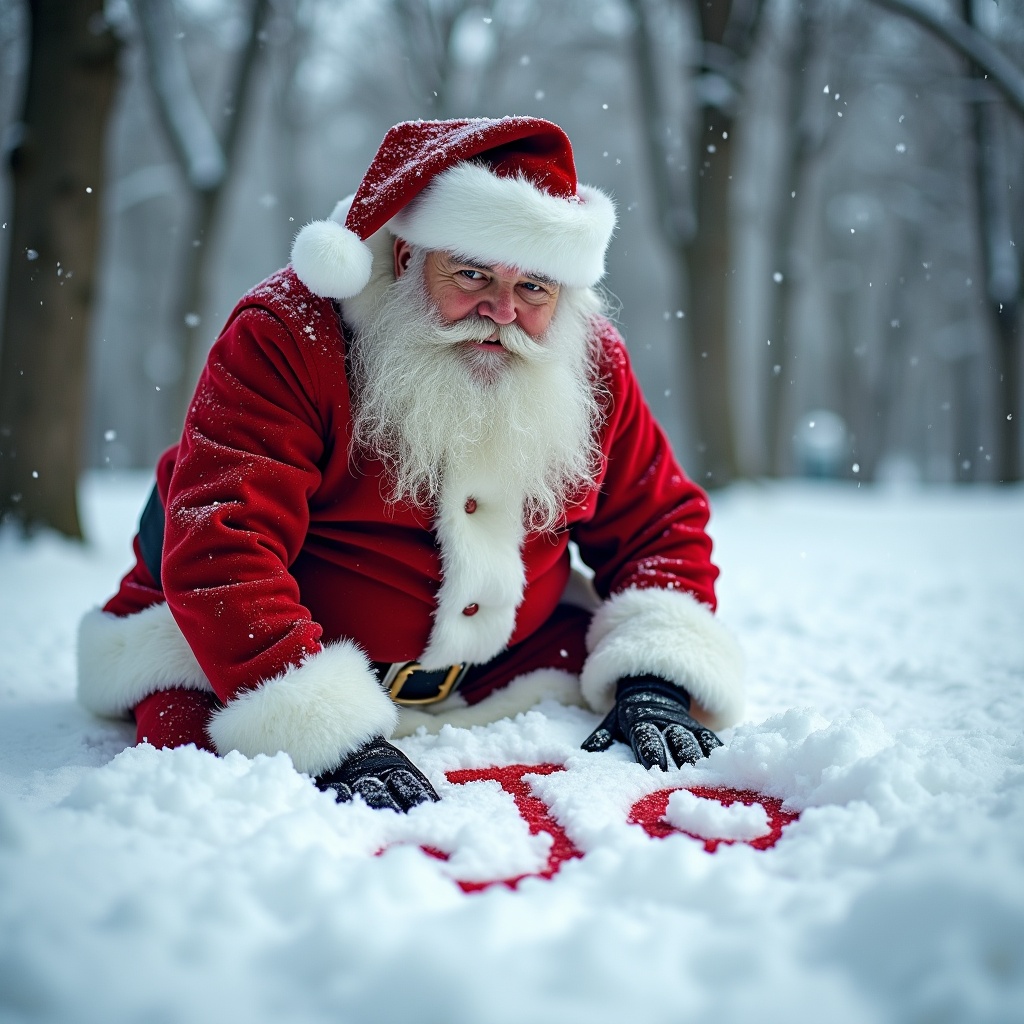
[817, 266]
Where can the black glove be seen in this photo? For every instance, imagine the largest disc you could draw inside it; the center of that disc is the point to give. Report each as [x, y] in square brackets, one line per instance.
[654, 718]
[382, 775]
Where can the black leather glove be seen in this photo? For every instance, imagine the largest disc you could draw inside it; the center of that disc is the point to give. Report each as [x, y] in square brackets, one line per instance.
[654, 718]
[382, 775]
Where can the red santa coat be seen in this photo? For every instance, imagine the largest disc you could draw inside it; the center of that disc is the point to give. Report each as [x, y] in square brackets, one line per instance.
[285, 572]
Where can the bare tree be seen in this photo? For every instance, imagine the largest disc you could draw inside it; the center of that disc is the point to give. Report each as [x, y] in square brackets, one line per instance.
[877, 337]
[991, 70]
[206, 157]
[58, 176]
[695, 221]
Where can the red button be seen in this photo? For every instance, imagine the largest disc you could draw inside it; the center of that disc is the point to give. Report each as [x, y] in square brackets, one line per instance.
[470, 506]
[471, 609]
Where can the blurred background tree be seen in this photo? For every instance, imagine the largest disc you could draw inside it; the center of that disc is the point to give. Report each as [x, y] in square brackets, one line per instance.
[816, 269]
[54, 156]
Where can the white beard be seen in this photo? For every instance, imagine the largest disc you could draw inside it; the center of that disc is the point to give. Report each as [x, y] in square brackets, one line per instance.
[434, 408]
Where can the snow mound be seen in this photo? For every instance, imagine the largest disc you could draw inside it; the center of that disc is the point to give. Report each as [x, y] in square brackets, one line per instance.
[885, 727]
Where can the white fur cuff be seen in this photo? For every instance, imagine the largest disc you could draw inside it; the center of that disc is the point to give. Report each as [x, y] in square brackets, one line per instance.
[122, 659]
[317, 712]
[670, 634]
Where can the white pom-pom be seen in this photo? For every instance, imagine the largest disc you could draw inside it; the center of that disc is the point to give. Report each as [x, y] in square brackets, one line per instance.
[330, 260]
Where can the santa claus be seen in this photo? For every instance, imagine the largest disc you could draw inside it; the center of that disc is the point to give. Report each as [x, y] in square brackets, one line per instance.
[366, 525]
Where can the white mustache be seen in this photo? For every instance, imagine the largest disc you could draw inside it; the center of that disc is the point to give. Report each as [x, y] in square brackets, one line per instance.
[479, 328]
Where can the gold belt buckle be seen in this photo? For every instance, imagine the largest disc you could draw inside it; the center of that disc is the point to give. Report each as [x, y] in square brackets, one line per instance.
[400, 673]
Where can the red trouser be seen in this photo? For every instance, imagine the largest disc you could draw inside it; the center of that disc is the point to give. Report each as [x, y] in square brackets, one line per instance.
[175, 718]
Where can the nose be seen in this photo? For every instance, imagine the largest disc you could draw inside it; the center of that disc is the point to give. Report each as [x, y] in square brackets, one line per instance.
[499, 304]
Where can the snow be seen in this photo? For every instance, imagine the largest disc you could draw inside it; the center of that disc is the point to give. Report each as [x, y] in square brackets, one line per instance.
[707, 819]
[885, 666]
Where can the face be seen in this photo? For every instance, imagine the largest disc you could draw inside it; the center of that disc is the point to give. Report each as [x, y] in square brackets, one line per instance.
[496, 292]
[438, 404]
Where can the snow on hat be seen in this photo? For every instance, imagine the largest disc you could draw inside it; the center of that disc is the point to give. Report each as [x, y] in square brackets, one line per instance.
[497, 191]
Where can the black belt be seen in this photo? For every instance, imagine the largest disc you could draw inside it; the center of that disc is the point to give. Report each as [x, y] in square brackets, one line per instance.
[408, 683]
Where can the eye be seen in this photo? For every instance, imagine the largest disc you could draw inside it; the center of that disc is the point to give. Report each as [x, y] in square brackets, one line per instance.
[470, 279]
[535, 292]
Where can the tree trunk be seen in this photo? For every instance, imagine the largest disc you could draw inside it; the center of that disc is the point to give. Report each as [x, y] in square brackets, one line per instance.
[1002, 286]
[779, 314]
[709, 251]
[1002, 272]
[1009, 370]
[57, 174]
[695, 221]
[709, 260]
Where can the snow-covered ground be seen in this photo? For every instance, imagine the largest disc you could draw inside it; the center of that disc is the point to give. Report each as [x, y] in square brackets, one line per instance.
[885, 637]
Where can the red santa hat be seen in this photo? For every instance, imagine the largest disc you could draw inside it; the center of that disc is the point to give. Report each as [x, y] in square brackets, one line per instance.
[497, 191]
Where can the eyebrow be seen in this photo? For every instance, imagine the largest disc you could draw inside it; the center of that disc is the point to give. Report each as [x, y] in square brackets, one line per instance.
[469, 261]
